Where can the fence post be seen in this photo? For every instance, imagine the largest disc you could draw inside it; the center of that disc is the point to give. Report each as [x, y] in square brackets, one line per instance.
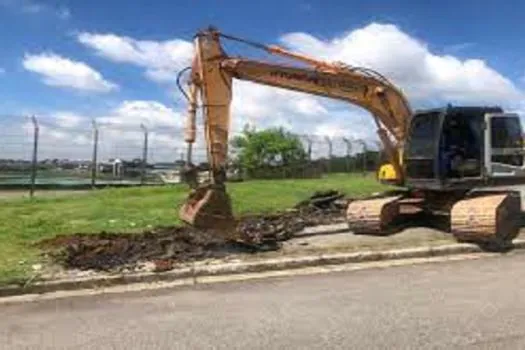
[329, 142]
[379, 154]
[309, 150]
[144, 154]
[348, 143]
[34, 162]
[94, 159]
[308, 167]
[365, 150]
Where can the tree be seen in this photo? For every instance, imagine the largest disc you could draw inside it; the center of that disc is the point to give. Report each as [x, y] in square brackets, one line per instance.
[268, 148]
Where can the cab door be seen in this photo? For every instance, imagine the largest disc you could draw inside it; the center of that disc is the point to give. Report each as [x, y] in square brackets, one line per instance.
[503, 145]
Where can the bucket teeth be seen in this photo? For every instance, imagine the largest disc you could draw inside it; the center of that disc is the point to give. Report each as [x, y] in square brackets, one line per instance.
[372, 216]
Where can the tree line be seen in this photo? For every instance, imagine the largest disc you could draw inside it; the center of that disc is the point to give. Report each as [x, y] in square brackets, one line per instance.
[277, 153]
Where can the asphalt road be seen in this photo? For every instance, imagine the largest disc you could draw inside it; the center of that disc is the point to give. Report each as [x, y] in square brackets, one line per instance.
[461, 304]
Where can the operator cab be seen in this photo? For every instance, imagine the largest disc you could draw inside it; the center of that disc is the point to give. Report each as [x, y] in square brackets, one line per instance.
[447, 148]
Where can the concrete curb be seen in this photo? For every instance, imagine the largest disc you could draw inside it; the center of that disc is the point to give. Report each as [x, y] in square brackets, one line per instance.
[287, 263]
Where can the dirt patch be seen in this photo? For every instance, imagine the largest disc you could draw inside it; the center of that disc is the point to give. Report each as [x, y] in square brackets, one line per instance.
[166, 246]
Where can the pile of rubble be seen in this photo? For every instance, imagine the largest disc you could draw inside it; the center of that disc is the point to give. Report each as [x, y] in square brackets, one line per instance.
[321, 208]
[168, 245]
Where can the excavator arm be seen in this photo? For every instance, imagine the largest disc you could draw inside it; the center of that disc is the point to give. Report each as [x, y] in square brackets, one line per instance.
[384, 102]
[212, 73]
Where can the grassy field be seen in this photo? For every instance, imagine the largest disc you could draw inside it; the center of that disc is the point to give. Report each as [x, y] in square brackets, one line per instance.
[24, 221]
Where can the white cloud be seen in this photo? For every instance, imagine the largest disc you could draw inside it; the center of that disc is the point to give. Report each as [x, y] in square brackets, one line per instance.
[68, 120]
[409, 63]
[151, 113]
[265, 106]
[161, 59]
[426, 77]
[356, 126]
[66, 134]
[32, 7]
[62, 72]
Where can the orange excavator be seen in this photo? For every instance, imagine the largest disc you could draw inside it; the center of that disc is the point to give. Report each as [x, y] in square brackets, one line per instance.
[454, 161]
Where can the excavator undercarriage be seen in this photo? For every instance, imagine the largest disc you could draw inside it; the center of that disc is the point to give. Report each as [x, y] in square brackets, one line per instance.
[482, 217]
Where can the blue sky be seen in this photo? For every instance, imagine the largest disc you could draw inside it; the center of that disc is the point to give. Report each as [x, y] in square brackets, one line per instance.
[120, 84]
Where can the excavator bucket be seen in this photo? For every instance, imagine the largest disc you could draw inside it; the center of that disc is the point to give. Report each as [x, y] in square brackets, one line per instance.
[209, 207]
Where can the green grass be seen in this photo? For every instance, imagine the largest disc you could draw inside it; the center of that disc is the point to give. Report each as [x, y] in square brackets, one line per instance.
[25, 221]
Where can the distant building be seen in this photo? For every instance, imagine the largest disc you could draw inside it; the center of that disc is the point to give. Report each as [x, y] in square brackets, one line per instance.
[117, 168]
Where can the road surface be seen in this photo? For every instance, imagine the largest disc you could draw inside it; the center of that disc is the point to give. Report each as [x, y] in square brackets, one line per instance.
[462, 304]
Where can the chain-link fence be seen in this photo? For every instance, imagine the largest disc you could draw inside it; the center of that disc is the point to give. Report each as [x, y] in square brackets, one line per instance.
[38, 155]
